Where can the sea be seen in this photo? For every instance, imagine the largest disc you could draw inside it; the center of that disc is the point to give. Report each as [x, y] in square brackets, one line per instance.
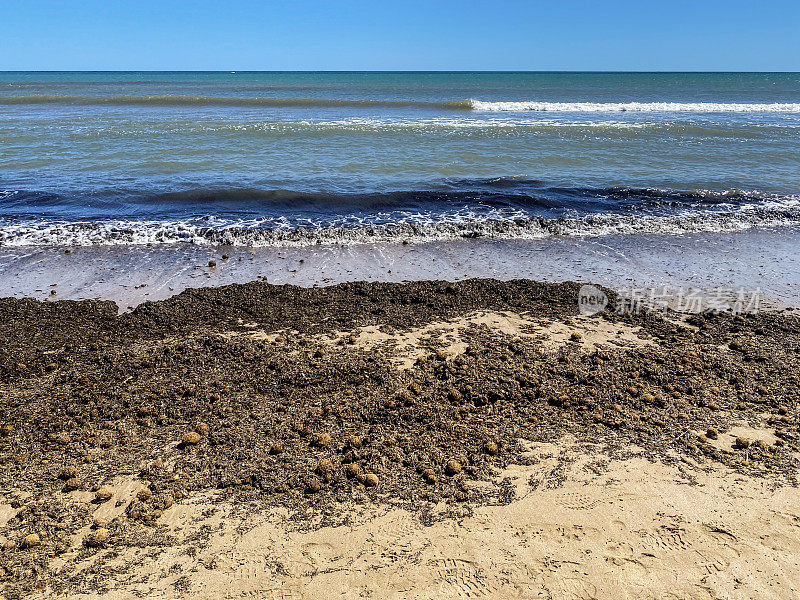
[294, 159]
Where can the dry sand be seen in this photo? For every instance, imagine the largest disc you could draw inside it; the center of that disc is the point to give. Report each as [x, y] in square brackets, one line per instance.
[593, 529]
[408, 346]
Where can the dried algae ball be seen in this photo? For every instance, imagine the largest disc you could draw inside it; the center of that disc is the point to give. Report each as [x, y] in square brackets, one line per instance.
[97, 538]
[144, 494]
[429, 476]
[352, 471]
[31, 541]
[322, 440]
[203, 428]
[313, 485]
[491, 448]
[453, 467]
[370, 480]
[72, 484]
[455, 395]
[68, 472]
[712, 433]
[191, 438]
[324, 467]
[104, 494]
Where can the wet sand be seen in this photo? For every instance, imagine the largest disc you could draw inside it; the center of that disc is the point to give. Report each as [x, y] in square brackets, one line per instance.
[755, 259]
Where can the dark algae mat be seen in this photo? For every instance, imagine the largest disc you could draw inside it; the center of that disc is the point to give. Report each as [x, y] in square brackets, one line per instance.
[267, 396]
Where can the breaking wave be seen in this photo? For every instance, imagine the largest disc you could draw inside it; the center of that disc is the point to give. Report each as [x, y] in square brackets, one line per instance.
[389, 220]
[643, 107]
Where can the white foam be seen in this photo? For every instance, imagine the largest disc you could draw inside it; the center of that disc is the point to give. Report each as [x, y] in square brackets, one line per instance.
[412, 227]
[380, 125]
[645, 107]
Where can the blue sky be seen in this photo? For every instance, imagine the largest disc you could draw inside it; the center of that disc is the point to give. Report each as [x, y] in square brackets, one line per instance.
[412, 35]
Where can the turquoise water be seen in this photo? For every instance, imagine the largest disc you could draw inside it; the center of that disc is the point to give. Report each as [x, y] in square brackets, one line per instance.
[303, 158]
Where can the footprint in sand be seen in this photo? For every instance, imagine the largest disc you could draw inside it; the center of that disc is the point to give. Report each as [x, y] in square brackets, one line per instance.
[284, 592]
[400, 550]
[395, 526]
[569, 588]
[576, 501]
[459, 578]
[667, 538]
[622, 556]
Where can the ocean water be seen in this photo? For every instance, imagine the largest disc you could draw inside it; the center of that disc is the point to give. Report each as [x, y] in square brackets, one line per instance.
[295, 159]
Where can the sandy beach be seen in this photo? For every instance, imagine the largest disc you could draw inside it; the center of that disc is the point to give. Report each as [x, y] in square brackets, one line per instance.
[399, 301]
[422, 440]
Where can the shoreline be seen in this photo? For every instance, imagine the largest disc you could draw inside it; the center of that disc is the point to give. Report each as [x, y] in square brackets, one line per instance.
[254, 439]
[763, 259]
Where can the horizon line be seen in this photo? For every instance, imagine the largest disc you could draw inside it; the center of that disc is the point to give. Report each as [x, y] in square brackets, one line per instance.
[237, 71]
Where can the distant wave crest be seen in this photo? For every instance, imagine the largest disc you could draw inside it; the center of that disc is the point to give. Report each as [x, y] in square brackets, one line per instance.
[646, 107]
[167, 100]
[178, 100]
